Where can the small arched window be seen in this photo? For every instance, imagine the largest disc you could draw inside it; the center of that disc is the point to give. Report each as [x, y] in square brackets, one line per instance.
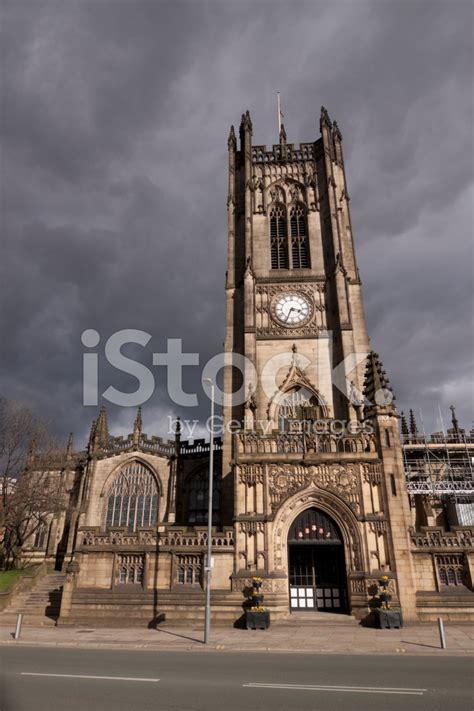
[133, 498]
[278, 237]
[299, 238]
[198, 488]
[41, 535]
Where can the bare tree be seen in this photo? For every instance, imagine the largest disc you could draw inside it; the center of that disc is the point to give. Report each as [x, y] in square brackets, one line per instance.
[30, 478]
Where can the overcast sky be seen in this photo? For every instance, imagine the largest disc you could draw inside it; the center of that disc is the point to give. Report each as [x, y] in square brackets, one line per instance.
[115, 116]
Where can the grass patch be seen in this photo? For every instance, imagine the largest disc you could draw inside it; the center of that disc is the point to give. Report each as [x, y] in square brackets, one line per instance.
[8, 578]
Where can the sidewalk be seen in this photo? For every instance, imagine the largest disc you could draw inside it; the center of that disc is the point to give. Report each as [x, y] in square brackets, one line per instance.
[417, 639]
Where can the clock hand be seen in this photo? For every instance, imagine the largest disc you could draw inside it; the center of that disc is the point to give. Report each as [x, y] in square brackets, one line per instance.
[289, 312]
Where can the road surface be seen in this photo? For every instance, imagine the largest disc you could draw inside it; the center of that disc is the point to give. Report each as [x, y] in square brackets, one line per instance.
[54, 679]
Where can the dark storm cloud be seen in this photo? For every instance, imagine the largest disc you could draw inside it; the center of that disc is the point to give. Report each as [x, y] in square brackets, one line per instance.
[115, 117]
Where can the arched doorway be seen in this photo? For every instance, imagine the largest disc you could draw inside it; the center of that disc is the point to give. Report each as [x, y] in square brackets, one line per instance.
[317, 571]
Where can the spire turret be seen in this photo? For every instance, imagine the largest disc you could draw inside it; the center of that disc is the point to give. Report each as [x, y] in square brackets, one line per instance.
[232, 141]
[69, 446]
[101, 437]
[404, 424]
[324, 119]
[177, 436]
[336, 131]
[377, 389]
[246, 122]
[454, 420]
[137, 426]
[413, 425]
[90, 444]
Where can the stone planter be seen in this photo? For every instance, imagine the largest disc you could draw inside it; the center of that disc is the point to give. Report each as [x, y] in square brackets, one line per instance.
[388, 619]
[257, 620]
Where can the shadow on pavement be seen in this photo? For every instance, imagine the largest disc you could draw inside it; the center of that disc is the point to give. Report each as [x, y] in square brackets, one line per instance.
[420, 644]
[181, 636]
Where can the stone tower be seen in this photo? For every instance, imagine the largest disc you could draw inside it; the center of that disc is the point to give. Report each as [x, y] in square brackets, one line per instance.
[294, 311]
[292, 279]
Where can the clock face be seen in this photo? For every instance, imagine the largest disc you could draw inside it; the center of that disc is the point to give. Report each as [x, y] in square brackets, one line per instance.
[292, 309]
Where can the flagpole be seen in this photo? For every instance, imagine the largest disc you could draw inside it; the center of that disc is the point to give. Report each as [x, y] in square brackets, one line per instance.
[279, 112]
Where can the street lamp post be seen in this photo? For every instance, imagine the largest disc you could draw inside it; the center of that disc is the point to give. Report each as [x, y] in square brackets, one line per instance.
[208, 567]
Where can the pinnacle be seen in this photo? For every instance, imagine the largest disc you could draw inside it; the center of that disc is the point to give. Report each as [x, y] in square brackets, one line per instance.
[377, 388]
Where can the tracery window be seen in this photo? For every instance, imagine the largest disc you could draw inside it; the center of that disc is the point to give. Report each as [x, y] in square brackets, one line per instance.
[130, 569]
[198, 488]
[41, 536]
[297, 406]
[188, 569]
[278, 237]
[133, 498]
[451, 569]
[299, 238]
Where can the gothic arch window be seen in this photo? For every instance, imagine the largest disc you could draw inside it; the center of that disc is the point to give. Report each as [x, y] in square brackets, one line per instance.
[132, 499]
[198, 488]
[278, 237]
[299, 405]
[41, 536]
[299, 237]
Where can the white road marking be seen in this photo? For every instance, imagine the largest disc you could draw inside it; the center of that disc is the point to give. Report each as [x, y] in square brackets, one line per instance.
[353, 689]
[85, 676]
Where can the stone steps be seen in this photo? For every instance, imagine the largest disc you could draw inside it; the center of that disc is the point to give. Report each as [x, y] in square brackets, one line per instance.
[122, 608]
[298, 619]
[452, 606]
[39, 606]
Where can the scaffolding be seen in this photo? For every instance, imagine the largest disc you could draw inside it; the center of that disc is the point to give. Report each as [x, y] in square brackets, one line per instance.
[441, 464]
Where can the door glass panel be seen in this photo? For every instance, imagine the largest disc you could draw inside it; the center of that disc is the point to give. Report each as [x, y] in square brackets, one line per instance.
[317, 576]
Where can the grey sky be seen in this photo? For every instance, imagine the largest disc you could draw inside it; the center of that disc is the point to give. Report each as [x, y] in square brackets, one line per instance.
[115, 117]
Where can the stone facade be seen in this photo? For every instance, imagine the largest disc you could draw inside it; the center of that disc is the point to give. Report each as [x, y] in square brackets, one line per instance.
[320, 513]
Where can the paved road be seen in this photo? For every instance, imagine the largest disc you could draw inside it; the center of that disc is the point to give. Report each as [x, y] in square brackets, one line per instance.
[105, 680]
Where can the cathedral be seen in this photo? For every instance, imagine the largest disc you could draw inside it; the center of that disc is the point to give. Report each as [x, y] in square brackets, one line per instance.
[311, 482]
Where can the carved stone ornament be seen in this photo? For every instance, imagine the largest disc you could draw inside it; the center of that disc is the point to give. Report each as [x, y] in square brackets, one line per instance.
[436, 538]
[269, 585]
[251, 528]
[250, 474]
[277, 194]
[286, 480]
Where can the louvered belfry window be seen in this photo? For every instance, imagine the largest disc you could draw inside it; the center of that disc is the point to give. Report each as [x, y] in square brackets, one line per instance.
[299, 238]
[278, 238]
